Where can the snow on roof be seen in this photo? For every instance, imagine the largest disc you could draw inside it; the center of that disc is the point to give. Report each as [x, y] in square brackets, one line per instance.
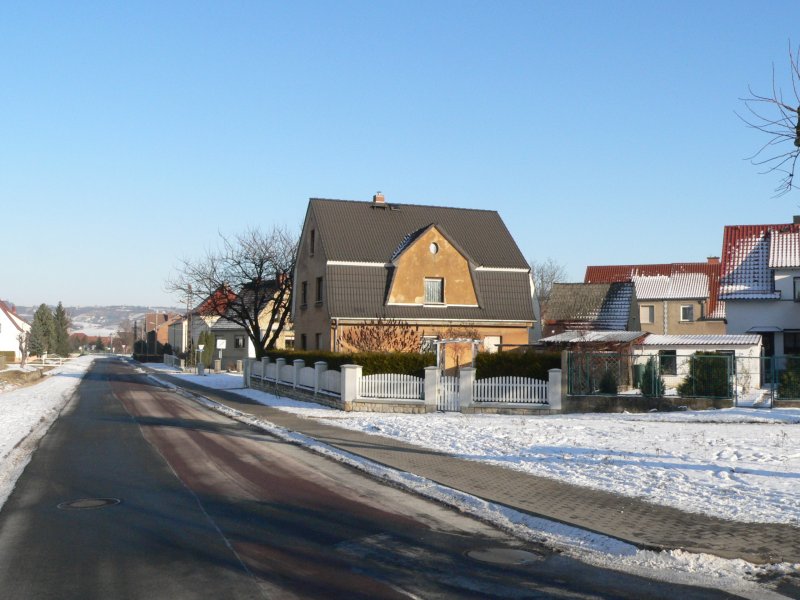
[674, 286]
[702, 340]
[784, 249]
[577, 337]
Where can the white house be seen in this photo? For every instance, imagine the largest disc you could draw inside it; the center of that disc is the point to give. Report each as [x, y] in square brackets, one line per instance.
[11, 326]
[760, 284]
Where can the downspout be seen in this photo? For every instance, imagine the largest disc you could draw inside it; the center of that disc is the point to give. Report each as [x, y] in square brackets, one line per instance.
[336, 335]
[666, 318]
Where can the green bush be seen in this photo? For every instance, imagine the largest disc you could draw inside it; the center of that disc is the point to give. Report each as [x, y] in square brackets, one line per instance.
[531, 364]
[608, 383]
[652, 382]
[709, 376]
[7, 357]
[409, 363]
[789, 384]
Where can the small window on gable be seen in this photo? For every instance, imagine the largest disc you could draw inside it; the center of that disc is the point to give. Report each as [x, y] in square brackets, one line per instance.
[434, 291]
[312, 242]
[238, 341]
[647, 313]
[319, 290]
[304, 293]
[797, 289]
[687, 313]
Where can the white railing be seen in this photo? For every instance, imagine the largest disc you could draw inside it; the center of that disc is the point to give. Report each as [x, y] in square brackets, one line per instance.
[510, 389]
[392, 385]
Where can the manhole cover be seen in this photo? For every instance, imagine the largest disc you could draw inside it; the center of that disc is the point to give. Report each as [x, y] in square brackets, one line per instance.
[86, 503]
[503, 556]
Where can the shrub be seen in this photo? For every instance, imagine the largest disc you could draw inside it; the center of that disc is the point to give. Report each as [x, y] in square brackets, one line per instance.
[531, 363]
[409, 363]
[608, 383]
[709, 376]
[652, 382]
[789, 384]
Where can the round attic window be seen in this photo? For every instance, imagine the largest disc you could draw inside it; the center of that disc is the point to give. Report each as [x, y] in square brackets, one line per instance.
[434, 247]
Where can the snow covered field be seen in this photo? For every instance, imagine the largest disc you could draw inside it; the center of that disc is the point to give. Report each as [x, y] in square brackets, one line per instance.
[27, 412]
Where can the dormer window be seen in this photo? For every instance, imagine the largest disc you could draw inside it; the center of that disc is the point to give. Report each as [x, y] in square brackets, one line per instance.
[434, 291]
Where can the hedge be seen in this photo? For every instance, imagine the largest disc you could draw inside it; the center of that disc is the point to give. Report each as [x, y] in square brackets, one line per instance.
[408, 363]
[531, 363]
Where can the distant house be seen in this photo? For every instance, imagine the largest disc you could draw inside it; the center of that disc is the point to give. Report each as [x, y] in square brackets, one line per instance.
[11, 326]
[444, 271]
[582, 307]
[760, 283]
[672, 298]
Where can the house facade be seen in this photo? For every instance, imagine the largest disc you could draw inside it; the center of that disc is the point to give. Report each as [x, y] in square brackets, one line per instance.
[672, 298]
[582, 307]
[445, 272]
[760, 284]
[11, 326]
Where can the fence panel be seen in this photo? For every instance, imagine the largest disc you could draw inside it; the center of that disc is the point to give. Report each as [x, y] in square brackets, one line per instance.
[392, 386]
[510, 389]
[331, 382]
[447, 394]
[307, 377]
[286, 374]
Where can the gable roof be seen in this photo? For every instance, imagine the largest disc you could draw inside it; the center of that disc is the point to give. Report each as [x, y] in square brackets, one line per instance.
[667, 281]
[355, 231]
[749, 253]
[595, 306]
[18, 322]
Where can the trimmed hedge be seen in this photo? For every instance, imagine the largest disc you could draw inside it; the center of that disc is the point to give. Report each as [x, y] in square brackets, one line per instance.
[408, 363]
[7, 357]
[531, 363]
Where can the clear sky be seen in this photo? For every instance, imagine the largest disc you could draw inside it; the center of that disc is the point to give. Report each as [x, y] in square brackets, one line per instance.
[131, 133]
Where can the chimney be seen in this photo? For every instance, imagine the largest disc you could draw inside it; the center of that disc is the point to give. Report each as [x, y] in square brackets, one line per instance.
[378, 198]
[713, 260]
[795, 219]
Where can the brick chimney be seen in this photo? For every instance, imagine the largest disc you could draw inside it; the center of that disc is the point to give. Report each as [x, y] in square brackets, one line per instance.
[378, 198]
[713, 260]
[795, 219]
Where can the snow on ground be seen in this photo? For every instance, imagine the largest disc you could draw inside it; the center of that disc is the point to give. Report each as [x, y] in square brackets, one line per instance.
[26, 413]
[566, 439]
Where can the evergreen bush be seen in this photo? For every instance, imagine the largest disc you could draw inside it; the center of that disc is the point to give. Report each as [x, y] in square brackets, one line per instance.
[608, 383]
[409, 363]
[709, 376]
[531, 363]
[652, 382]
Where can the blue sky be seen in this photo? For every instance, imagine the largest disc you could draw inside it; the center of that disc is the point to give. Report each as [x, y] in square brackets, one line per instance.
[131, 133]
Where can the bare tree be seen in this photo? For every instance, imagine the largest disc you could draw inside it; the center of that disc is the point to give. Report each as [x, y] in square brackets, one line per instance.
[247, 274]
[545, 273]
[384, 335]
[778, 117]
[23, 339]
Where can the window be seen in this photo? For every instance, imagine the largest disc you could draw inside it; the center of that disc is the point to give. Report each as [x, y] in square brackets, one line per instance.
[238, 341]
[318, 341]
[687, 312]
[434, 291]
[303, 344]
[791, 342]
[304, 293]
[647, 313]
[319, 290]
[312, 242]
[428, 343]
[668, 362]
[797, 289]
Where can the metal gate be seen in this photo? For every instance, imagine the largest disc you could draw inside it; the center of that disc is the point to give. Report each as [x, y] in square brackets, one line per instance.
[447, 394]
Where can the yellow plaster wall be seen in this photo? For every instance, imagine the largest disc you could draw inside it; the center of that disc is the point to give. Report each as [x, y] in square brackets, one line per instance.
[418, 262]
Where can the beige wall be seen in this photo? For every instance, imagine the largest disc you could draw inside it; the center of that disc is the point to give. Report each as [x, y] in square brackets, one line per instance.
[674, 325]
[312, 318]
[418, 263]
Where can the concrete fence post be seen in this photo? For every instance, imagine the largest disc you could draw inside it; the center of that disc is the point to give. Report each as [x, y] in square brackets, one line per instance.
[319, 368]
[299, 364]
[466, 386]
[279, 364]
[264, 363]
[554, 389]
[431, 399]
[248, 370]
[351, 381]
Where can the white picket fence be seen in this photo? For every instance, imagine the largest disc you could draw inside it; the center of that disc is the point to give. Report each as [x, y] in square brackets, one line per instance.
[510, 389]
[447, 394]
[392, 385]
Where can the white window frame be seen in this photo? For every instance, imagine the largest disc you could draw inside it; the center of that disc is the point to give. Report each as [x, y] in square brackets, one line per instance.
[691, 317]
[431, 280]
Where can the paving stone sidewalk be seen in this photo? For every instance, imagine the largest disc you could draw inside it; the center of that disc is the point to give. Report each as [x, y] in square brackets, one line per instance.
[640, 523]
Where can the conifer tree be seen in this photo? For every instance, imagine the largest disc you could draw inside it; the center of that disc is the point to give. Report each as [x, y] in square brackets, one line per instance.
[42, 331]
[61, 329]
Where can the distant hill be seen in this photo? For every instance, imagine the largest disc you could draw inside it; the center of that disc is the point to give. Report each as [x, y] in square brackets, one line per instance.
[100, 320]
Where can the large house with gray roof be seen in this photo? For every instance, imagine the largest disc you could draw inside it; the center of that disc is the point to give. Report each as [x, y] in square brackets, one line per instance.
[437, 269]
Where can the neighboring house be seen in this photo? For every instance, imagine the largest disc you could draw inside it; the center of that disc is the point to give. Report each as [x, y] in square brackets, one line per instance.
[581, 307]
[673, 298]
[231, 342]
[595, 341]
[674, 353]
[11, 325]
[441, 270]
[760, 283]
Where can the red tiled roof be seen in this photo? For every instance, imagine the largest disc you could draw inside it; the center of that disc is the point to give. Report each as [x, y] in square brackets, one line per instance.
[749, 252]
[621, 273]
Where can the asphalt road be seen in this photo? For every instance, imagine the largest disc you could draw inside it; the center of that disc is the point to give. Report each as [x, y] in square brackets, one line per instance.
[200, 506]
